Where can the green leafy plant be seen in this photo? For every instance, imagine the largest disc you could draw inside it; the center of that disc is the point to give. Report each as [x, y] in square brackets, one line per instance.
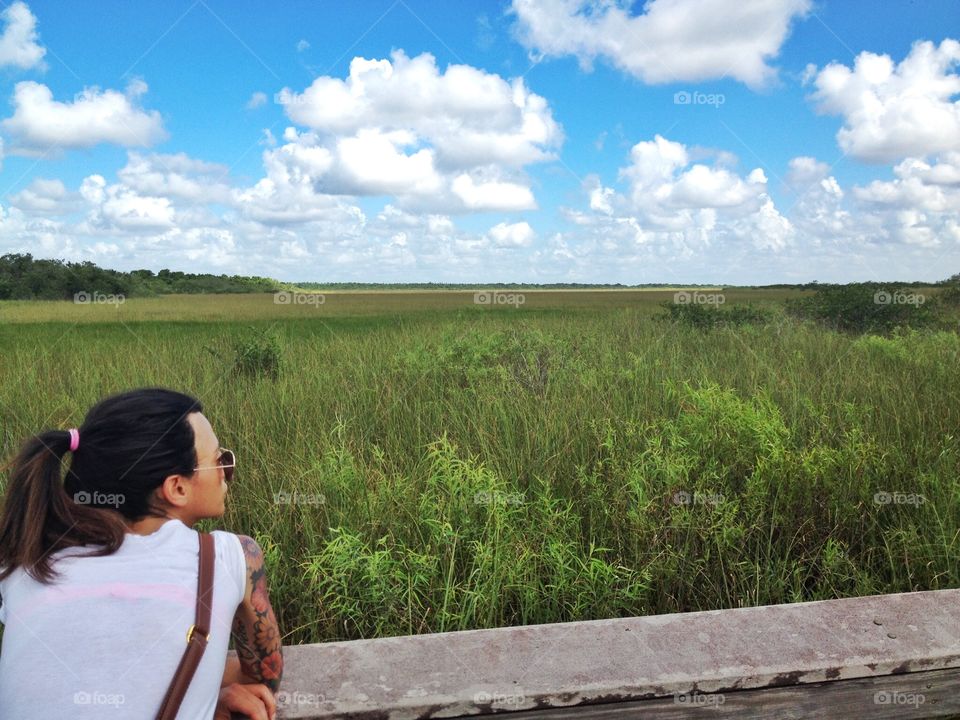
[706, 316]
[866, 307]
[258, 354]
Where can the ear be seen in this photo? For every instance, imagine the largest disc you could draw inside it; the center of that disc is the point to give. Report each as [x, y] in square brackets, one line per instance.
[175, 490]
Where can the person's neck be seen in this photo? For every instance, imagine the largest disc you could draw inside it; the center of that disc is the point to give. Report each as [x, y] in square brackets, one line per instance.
[150, 525]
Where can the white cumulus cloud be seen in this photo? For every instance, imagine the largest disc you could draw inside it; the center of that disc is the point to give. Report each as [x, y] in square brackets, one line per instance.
[921, 206]
[126, 210]
[454, 140]
[662, 181]
[39, 122]
[492, 195]
[176, 176]
[679, 207]
[45, 197]
[918, 185]
[669, 41]
[18, 41]
[892, 111]
[518, 234]
[818, 208]
[287, 195]
[374, 163]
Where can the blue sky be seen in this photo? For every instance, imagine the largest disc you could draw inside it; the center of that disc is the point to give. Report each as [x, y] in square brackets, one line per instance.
[532, 140]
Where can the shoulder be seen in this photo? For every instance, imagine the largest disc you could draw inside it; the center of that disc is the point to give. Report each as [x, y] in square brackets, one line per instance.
[254, 562]
[252, 556]
[256, 572]
[251, 548]
[232, 549]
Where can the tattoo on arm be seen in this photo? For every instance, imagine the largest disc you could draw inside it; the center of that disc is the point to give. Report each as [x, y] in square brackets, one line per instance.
[256, 634]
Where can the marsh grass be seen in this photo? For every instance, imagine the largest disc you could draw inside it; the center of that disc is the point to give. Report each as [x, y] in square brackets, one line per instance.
[447, 468]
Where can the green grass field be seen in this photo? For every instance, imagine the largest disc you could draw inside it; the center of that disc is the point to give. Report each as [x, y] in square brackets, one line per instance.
[420, 463]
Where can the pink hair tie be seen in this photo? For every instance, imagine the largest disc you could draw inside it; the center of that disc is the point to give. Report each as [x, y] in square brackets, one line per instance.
[74, 439]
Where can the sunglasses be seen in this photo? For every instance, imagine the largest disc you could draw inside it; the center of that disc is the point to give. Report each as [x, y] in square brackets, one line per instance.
[227, 461]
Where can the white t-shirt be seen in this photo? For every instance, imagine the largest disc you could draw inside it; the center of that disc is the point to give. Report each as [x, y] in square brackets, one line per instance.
[104, 640]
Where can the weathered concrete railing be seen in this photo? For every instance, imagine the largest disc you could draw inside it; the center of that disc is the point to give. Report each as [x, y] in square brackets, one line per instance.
[886, 656]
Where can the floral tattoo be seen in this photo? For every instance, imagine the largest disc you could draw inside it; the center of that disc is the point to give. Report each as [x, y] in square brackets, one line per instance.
[256, 634]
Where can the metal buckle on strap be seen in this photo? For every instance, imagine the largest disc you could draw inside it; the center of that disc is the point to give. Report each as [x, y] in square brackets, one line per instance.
[192, 630]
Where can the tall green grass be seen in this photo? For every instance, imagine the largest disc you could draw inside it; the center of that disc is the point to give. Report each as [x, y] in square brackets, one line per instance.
[456, 469]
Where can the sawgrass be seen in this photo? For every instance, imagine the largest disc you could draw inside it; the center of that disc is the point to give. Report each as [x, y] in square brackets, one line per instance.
[436, 465]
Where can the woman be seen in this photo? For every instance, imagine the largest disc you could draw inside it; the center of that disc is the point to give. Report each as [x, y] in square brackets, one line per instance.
[98, 572]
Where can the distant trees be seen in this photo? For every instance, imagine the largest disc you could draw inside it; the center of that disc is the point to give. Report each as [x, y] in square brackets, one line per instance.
[23, 277]
[951, 291]
[868, 307]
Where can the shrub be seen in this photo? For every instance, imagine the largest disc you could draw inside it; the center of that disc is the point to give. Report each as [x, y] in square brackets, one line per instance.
[257, 354]
[950, 295]
[749, 315]
[708, 316]
[526, 357]
[878, 347]
[937, 350]
[866, 307]
[722, 435]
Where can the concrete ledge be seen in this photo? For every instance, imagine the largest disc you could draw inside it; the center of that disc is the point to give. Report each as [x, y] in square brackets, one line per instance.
[788, 657]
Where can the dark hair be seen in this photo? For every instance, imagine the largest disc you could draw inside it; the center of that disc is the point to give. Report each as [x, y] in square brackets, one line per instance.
[129, 443]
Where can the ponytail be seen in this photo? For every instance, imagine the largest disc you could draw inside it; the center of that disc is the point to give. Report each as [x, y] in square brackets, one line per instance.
[39, 517]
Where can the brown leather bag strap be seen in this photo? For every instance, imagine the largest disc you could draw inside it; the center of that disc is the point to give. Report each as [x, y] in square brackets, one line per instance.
[197, 635]
[205, 585]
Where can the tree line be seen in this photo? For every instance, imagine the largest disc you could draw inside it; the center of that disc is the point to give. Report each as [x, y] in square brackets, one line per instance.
[23, 277]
